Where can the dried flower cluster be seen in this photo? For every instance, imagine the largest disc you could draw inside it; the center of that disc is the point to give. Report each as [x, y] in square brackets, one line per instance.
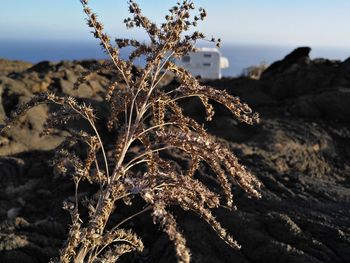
[143, 114]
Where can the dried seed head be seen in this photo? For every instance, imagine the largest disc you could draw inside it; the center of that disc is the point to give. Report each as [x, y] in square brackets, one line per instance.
[144, 120]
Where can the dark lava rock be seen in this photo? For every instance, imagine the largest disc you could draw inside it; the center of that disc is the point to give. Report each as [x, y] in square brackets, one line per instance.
[346, 64]
[298, 56]
[300, 152]
[43, 67]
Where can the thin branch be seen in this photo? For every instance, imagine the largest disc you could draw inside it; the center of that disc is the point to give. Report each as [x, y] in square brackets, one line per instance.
[154, 127]
[131, 217]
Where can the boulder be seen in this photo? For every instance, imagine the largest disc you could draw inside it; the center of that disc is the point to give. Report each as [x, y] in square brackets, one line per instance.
[299, 56]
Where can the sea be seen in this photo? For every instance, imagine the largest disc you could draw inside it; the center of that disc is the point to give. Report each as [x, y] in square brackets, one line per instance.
[240, 56]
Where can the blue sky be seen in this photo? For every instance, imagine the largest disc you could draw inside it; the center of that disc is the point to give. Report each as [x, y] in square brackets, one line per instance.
[279, 22]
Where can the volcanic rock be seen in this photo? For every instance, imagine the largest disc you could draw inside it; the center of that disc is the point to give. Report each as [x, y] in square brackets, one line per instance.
[300, 152]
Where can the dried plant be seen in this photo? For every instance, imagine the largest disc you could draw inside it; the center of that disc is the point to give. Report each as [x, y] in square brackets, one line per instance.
[145, 115]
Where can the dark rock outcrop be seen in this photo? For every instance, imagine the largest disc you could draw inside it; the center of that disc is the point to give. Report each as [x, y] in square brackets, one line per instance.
[298, 87]
[299, 56]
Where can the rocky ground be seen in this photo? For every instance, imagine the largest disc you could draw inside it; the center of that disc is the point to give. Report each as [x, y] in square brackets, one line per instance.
[300, 152]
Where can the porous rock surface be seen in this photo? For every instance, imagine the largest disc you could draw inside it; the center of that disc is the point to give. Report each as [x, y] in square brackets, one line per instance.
[300, 152]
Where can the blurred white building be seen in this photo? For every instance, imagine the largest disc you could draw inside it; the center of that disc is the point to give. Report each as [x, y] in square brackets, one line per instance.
[205, 63]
